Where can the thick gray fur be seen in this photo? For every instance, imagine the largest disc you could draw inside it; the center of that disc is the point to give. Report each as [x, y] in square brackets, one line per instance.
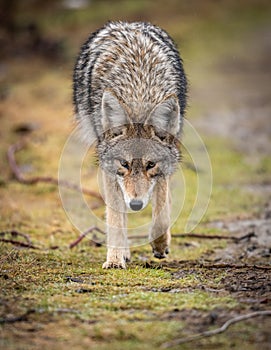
[138, 63]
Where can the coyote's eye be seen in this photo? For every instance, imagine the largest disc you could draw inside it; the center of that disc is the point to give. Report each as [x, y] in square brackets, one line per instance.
[124, 163]
[150, 165]
[116, 133]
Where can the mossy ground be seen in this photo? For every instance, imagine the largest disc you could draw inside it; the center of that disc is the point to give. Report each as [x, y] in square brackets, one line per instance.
[76, 303]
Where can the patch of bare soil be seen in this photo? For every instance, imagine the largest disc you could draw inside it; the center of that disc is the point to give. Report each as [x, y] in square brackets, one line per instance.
[248, 284]
[255, 248]
[246, 269]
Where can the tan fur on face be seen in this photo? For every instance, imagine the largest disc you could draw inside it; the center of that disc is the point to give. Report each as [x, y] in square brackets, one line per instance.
[135, 182]
[137, 179]
[126, 153]
[132, 131]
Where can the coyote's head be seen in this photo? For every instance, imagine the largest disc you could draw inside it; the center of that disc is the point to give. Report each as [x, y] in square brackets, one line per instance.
[137, 153]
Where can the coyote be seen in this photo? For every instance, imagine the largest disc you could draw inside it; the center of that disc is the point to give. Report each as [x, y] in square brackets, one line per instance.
[130, 94]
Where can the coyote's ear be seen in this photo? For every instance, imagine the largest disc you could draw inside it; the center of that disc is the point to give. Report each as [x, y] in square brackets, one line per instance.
[113, 113]
[166, 116]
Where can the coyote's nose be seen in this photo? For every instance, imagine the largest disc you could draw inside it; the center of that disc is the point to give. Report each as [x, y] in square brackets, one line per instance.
[136, 204]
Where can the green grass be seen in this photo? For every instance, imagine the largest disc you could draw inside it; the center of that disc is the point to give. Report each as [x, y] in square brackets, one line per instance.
[145, 305]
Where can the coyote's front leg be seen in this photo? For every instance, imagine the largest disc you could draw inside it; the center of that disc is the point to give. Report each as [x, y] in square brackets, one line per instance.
[160, 230]
[117, 244]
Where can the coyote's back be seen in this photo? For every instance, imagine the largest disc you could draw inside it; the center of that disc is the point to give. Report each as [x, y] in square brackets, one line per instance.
[138, 62]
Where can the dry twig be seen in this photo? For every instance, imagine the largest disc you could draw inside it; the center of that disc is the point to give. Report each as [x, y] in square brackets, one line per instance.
[47, 179]
[13, 233]
[84, 234]
[24, 317]
[205, 236]
[20, 318]
[202, 236]
[216, 331]
[177, 235]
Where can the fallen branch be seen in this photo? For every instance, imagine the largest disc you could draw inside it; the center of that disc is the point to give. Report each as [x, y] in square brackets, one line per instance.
[47, 179]
[24, 317]
[178, 235]
[20, 318]
[13, 233]
[205, 236]
[16, 234]
[18, 243]
[84, 234]
[216, 331]
[202, 236]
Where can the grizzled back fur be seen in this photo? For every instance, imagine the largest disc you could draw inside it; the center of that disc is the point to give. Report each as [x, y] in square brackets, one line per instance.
[138, 64]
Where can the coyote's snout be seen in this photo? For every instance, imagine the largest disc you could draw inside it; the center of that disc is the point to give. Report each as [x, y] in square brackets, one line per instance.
[130, 91]
[136, 182]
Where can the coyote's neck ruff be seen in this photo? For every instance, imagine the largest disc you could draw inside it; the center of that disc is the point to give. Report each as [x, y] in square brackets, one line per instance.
[130, 95]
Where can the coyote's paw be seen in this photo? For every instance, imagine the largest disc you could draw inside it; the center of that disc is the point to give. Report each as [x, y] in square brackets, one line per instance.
[127, 255]
[160, 246]
[160, 254]
[114, 265]
[116, 258]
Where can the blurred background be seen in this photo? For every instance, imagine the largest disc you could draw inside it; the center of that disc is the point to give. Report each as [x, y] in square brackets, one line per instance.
[226, 49]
